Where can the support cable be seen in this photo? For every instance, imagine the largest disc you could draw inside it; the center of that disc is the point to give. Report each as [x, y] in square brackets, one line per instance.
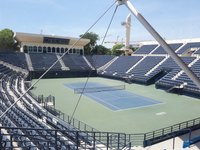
[18, 99]
[109, 24]
[72, 116]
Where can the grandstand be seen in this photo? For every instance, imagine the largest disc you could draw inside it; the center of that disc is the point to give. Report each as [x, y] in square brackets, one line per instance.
[148, 65]
[127, 101]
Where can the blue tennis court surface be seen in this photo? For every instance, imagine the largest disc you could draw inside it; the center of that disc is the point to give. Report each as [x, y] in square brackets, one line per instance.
[115, 100]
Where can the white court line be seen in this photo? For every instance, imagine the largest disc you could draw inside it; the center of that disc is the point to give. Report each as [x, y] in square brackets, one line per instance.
[141, 107]
[94, 97]
[156, 102]
[121, 109]
[101, 100]
[147, 98]
[118, 98]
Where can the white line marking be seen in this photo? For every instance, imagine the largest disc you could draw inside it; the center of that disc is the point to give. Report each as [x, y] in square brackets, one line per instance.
[161, 113]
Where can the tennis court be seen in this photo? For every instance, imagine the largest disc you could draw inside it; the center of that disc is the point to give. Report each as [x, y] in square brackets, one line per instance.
[171, 110]
[115, 98]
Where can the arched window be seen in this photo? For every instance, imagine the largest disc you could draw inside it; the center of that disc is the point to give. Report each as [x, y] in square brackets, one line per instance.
[53, 50]
[57, 50]
[49, 50]
[62, 50]
[44, 49]
[70, 51]
[74, 50]
[35, 49]
[30, 49]
[40, 49]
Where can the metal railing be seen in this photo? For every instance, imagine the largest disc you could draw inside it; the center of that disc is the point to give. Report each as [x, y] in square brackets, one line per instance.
[11, 138]
[157, 136]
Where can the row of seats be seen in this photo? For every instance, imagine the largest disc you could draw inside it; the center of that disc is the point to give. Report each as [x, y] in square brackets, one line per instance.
[189, 46]
[181, 48]
[141, 67]
[75, 62]
[99, 60]
[122, 65]
[160, 50]
[126, 66]
[136, 69]
[36, 129]
[145, 49]
[39, 135]
[28, 126]
[41, 62]
[16, 59]
[44, 61]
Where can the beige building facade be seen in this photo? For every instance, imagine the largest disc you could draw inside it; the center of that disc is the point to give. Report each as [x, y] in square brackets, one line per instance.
[39, 43]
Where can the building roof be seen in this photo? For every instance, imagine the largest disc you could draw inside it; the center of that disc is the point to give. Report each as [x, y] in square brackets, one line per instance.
[39, 38]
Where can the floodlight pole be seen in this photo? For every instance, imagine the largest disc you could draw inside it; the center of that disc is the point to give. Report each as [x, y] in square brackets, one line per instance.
[161, 41]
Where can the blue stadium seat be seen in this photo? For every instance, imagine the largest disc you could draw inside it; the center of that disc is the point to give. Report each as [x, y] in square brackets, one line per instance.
[160, 50]
[145, 49]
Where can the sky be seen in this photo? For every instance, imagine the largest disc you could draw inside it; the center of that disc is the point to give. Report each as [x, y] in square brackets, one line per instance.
[173, 19]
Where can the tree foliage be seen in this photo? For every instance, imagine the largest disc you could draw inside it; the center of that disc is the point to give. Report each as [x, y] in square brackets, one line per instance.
[101, 50]
[7, 41]
[116, 49]
[93, 37]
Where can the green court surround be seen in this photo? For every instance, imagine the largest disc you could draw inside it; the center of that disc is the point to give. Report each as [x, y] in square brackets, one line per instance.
[174, 109]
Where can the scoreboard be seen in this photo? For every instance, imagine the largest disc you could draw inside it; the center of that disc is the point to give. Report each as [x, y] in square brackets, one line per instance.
[52, 40]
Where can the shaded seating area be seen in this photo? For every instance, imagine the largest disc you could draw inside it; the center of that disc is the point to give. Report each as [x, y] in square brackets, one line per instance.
[145, 49]
[150, 65]
[27, 126]
[188, 46]
[138, 73]
[181, 81]
[197, 51]
[44, 61]
[119, 67]
[160, 50]
[75, 62]
[189, 85]
[99, 60]
[170, 67]
[16, 59]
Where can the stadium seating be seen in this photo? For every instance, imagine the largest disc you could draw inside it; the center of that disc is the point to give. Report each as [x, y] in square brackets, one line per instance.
[168, 81]
[169, 64]
[99, 60]
[27, 125]
[24, 121]
[44, 61]
[75, 62]
[145, 49]
[197, 51]
[142, 68]
[188, 46]
[30, 126]
[190, 86]
[160, 50]
[17, 59]
[121, 66]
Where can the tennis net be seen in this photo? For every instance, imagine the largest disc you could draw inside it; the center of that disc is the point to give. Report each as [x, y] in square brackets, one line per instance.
[99, 89]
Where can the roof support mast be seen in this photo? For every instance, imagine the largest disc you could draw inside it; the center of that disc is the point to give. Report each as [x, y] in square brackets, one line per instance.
[161, 41]
[127, 25]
